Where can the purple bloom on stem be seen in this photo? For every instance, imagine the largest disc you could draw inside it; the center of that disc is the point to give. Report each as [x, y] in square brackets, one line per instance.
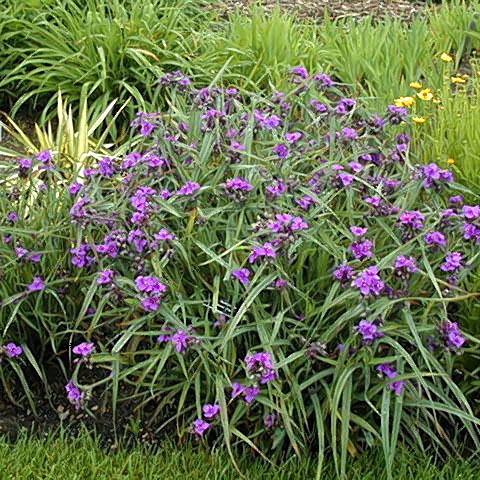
[345, 178]
[74, 395]
[237, 389]
[250, 394]
[345, 106]
[281, 150]
[293, 137]
[74, 188]
[349, 133]
[84, 349]
[344, 273]
[405, 264]
[305, 202]
[369, 331]
[362, 250]
[369, 282]
[412, 219]
[323, 79]
[182, 340]
[263, 251]
[286, 223]
[261, 364]
[453, 262]
[188, 189]
[164, 235]
[12, 350]
[37, 285]
[300, 71]
[151, 304]
[105, 277]
[12, 217]
[200, 427]
[452, 335]
[319, 106]
[210, 410]
[435, 239]
[471, 212]
[387, 369]
[46, 156]
[358, 231]
[277, 189]
[238, 184]
[150, 284]
[242, 275]
[25, 163]
[433, 175]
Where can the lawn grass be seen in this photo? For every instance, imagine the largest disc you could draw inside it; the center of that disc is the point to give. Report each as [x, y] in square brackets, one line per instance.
[81, 458]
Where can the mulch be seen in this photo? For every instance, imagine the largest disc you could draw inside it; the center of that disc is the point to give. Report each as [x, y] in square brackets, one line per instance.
[316, 9]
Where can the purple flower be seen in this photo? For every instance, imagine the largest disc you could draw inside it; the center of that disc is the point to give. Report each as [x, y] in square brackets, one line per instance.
[324, 80]
[263, 251]
[387, 369]
[105, 277]
[188, 189]
[210, 410]
[138, 239]
[471, 212]
[12, 217]
[299, 71]
[242, 275]
[456, 199]
[237, 389]
[343, 273]
[435, 239]
[150, 285]
[453, 262]
[349, 134]
[369, 282]
[305, 202]
[452, 335]
[75, 188]
[358, 231]
[319, 106]
[293, 137]
[286, 223]
[200, 427]
[84, 349]
[396, 114]
[405, 264]
[46, 156]
[433, 175]
[345, 178]
[261, 365]
[250, 394]
[182, 340]
[25, 163]
[412, 219]
[281, 150]
[164, 235]
[280, 283]
[74, 395]
[277, 189]
[362, 250]
[369, 331]
[238, 184]
[151, 304]
[397, 387]
[81, 257]
[345, 106]
[37, 285]
[12, 350]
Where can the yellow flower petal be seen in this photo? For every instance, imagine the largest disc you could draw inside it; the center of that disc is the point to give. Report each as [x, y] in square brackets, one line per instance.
[425, 94]
[451, 161]
[457, 80]
[419, 120]
[416, 85]
[446, 57]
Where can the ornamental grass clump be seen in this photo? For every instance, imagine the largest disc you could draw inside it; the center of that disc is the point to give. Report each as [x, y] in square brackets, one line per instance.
[272, 270]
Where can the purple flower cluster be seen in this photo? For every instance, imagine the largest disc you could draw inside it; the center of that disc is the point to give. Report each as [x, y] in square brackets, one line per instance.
[387, 370]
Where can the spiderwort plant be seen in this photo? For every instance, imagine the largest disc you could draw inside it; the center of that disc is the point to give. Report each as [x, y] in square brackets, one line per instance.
[250, 261]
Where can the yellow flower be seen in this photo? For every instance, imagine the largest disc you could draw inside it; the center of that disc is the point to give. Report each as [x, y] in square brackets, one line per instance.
[457, 80]
[419, 120]
[404, 102]
[446, 57]
[451, 161]
[416, 85]
[436, 100]
[425, 94]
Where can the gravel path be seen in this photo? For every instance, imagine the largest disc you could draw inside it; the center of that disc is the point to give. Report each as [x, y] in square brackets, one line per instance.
[315, 9]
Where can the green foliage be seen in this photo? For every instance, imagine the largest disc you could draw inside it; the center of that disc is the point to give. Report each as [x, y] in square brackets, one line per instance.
[82, 459]
[105, 49]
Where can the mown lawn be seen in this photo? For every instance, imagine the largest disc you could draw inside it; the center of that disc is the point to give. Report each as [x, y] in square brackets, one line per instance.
[82, 459]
